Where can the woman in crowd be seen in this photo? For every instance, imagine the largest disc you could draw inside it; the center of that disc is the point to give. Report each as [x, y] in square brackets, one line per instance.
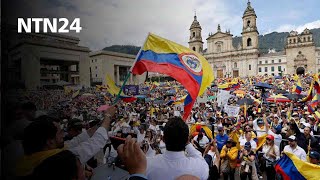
[271, 154]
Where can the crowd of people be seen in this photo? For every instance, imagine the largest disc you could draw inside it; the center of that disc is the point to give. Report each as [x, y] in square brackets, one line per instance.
[53, 134]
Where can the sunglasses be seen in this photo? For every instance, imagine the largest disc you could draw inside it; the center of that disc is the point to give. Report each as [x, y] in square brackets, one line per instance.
[268, 139]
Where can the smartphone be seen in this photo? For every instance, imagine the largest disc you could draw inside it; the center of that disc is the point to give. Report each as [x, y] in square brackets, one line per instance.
[116, 141]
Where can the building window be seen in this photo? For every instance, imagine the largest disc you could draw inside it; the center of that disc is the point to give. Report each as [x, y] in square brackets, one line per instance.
[272, 69]
[96, 75]
[249, 66]
[279, 68]
[194, 34]
[290, 41]
[219, 48]
[248, 23]
[265, 69]
[304, 39]
[260, 62]
[318, 61]
[92, 60]
[249, 42]
[279, 60]
[90, 70]
[194, 48]
[294, 40]
[235, 65]
[266, 62]
[318, 70]
[272, 61]
[259, 69]
[309, 38]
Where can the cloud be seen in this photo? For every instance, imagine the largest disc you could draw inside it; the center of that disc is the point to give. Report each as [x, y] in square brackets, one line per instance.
[109, 22]
[299, 28]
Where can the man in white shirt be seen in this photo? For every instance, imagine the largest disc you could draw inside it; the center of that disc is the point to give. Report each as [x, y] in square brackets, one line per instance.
[175, 162]
[140, 133]
[248, 138]
[260, 127]
[44, 135]
[295, 149]
[201, 139]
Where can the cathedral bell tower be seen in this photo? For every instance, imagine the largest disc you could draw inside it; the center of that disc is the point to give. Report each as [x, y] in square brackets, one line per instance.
[195, 41]
[249, 30]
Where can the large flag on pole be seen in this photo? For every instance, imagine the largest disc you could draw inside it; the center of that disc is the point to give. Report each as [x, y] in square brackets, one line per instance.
[181, 63]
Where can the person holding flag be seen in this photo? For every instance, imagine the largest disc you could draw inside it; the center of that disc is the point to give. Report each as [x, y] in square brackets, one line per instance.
[181, 63]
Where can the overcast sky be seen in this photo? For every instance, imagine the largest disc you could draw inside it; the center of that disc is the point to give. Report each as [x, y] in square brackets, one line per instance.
[109, 22]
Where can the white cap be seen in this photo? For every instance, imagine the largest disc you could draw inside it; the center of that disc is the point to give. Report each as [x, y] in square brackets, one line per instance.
[302, 120]
[293, 114]
[306, 124]
[292, 137]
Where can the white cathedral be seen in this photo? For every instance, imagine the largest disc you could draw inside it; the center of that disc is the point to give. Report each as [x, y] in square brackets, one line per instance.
[300, 55]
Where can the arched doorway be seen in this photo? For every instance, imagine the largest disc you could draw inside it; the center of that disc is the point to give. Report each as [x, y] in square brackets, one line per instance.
[300, 70]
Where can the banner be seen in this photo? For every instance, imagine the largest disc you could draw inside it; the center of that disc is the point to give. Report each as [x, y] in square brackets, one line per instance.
[131, 89]
[232, 111]
[222, 97]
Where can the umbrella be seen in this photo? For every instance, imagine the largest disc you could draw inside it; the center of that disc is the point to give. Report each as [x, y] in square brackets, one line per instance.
[246, 101]
[294, 97]
[263, 86]
[239, 92]
[280, 91]
[278, 99]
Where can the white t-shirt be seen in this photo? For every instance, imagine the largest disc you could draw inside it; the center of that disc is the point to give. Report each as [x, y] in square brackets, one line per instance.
[203, 141]
[213, 155]
[252, 142]
[277, 138]
[260, 131]
[298, 151]
[265, 150]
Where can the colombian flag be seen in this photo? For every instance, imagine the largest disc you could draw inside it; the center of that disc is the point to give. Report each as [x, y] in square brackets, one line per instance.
[292, 168]
[181, 63]
[317, 87]
[309, 96]
[298, 87]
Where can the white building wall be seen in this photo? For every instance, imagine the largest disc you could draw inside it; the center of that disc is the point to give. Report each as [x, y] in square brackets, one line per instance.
[268, 61]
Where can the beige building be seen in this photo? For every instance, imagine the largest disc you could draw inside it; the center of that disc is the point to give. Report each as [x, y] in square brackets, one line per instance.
[117, 65]
[273, 63]
[41, 59]
[300, 55]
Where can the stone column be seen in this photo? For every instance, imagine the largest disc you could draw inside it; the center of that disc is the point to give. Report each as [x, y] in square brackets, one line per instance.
[117, 79]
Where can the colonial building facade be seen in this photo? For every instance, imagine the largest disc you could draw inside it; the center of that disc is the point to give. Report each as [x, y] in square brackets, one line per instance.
[300, 55]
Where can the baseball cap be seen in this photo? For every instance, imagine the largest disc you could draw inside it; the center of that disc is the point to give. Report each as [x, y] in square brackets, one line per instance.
[247, 145]
[314, 155]
[271, 137]
[230, 140]
[220, 128]
[260, 121]
[292, 138]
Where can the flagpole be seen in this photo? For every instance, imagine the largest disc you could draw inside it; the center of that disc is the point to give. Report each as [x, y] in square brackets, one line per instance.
[130, 72]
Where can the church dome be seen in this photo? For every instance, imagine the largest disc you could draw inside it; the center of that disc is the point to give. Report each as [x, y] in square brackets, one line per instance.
[195, 23]
[249, 10]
